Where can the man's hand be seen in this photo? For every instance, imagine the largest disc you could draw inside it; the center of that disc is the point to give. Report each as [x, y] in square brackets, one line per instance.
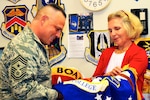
[60, 96]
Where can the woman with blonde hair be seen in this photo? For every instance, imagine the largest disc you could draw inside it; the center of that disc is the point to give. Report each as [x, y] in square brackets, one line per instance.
[124, 27]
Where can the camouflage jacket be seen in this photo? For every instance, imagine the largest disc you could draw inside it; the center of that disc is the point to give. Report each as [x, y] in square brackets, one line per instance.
[25, 70]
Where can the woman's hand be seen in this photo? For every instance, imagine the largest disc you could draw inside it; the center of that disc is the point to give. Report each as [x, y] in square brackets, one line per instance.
[114, 72]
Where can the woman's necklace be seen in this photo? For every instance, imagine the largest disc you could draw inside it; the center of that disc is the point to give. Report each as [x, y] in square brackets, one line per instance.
[118, 51]
[121, 50]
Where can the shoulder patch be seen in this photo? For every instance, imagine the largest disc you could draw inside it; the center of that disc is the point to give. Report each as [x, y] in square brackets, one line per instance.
[18, 68]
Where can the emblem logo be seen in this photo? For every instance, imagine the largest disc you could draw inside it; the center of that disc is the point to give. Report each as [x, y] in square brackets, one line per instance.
[99, 40]
[145, 44]
[15, 20]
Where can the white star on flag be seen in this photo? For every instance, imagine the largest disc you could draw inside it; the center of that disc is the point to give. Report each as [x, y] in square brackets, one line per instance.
[98, 97]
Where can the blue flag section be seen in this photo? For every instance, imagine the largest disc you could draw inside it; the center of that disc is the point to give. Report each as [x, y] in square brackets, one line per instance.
[121, 87]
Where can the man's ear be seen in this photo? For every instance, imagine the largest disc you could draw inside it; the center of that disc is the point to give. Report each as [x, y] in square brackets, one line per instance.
[44, 18]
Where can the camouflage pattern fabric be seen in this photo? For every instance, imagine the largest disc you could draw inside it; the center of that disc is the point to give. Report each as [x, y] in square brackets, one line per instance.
[25, 70]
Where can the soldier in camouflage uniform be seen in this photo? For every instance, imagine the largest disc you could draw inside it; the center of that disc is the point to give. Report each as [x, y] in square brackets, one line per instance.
[24, 68]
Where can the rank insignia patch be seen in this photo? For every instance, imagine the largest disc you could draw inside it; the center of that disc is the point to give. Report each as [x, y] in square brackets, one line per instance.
[15, 20]
[18, 69]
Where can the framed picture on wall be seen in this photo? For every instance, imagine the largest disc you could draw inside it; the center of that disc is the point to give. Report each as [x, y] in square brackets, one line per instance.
[142, 14]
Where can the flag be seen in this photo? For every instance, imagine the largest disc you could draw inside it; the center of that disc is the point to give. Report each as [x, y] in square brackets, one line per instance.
[120, 87]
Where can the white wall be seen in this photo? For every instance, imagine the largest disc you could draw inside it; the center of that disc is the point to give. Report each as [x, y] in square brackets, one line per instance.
[100, 23]
[99, 20]
[72, 7]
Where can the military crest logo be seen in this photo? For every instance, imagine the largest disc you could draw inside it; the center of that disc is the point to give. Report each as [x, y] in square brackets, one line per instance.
[99, 40]
[15, 20]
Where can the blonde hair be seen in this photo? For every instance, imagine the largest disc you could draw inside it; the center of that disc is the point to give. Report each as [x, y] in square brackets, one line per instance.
[131, 23]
